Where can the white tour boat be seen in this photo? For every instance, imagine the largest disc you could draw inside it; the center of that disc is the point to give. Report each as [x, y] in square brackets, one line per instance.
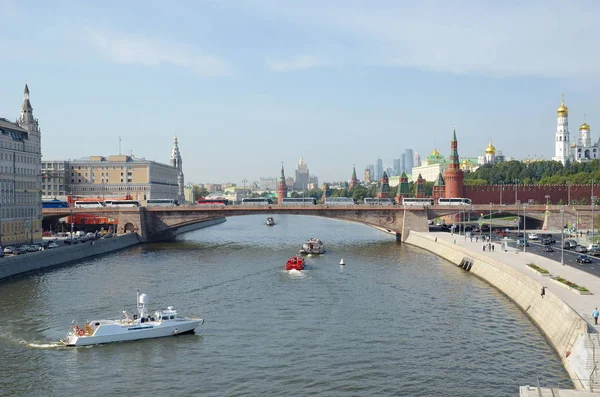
[313, 246]
[143, 325]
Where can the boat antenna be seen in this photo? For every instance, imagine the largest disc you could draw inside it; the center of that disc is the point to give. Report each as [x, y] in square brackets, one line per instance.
[137, 299]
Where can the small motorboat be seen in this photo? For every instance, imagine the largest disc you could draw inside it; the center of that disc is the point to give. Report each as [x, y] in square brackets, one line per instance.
[143, 325]
[270, 221]
[294, 263]
[313, 246]
[342, 262]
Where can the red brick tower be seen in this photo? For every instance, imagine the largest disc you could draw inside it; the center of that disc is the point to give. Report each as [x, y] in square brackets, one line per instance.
[454, 175]
[420, 189]
[354, 179]
[439, 188]
[384, 187]
[281, 188]
[403, 188]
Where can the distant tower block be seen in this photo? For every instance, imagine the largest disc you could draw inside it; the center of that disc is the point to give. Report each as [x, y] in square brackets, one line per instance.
[282, 187]
[454, 176]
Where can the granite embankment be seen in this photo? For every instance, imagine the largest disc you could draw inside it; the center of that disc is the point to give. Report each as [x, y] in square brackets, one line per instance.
[35, 261]
[564, 327]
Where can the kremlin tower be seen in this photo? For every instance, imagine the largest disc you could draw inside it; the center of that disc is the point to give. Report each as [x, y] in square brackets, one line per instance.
[454, 175]
[282, 187]
[354, 179]
[384, 187]
[439, 188]
[403, 188]
[420, 188]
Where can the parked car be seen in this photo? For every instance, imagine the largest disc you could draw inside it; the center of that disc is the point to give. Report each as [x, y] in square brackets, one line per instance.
[522, 243]
[593, 247]
[20, 250]
[547, 248]
[9, 249]
[520, 234]
[572, 244]
[1, 252]
[581, 249]
[533, 236]
[53, 244]
[33, 248]
[583, 259]
[594, 252]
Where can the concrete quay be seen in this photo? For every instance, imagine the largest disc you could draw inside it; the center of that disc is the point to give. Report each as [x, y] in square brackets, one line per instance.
[563, 314]
[11, 266]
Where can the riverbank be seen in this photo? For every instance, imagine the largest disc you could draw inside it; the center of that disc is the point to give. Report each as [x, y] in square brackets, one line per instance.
[11, 266]
[562, 314]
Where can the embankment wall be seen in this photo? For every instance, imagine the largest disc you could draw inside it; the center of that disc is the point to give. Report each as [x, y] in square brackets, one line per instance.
[562, 325]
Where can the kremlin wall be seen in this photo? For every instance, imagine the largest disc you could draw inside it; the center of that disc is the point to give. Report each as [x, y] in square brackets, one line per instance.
[505, 194]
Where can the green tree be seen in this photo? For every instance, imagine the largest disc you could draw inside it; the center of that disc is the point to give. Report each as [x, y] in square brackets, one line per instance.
[359, 193]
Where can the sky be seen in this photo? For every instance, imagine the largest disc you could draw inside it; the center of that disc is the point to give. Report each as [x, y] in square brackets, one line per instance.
[248, 84]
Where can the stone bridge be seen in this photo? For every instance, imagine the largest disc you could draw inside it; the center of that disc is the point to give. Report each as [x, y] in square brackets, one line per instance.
[162, 223]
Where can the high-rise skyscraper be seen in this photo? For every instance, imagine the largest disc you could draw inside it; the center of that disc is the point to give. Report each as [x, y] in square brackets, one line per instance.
[379, 170]
[397, 169]
[302, 175]
[371, 168]
[409, 161]
[403, 162]
[417, 162]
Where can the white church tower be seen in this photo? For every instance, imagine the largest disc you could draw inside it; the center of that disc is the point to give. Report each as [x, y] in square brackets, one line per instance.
[28, 122]
[176, 162]
[561, 152]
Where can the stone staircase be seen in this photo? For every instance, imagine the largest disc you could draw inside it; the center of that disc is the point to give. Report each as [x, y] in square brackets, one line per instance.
[592, 364]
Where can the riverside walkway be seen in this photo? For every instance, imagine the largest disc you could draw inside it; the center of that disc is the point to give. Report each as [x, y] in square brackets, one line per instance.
[582, 304]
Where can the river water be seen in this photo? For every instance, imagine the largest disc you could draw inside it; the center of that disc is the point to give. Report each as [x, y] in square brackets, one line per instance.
[396, 320]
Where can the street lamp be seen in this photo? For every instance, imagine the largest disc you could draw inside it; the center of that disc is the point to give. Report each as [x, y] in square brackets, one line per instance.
[518, 203]
[491, 221]
[501, 189]
[524, 228]
[547, 198]
[593, 202]
[562, 236]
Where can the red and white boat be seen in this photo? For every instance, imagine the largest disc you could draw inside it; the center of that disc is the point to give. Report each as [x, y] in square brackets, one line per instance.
[294, 263]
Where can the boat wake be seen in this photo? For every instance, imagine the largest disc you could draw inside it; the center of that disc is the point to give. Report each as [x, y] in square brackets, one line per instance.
[296, 273]
[51, 345]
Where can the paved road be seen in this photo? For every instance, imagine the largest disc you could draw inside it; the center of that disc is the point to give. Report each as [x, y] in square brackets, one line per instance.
[536, 248]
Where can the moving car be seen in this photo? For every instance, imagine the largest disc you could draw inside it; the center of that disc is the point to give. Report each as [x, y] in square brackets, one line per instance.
[547, 248]
[53, 244]
[533, 236]
[581, 249]
[583, 259]
[522, 243]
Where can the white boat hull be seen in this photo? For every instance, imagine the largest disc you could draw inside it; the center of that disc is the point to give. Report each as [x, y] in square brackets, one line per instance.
[118, 331]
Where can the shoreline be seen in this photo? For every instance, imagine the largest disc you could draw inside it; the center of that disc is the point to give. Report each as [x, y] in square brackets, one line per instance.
[565, 328]
[33, 262]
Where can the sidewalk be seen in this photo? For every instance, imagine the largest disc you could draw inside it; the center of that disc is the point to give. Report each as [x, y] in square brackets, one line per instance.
[582, 304]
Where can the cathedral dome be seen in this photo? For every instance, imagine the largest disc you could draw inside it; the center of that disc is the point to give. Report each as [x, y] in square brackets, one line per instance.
[584, 126]
[563, 110]
[435, 152]
[490, 149]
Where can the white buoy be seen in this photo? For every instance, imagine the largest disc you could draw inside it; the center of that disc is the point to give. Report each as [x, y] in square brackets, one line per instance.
[342, 262]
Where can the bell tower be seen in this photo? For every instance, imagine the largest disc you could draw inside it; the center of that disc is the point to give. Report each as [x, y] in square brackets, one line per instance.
[177, 163]
[454, 176]
[282, 187]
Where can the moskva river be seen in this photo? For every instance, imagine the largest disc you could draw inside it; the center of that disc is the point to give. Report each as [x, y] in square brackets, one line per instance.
[395, 321]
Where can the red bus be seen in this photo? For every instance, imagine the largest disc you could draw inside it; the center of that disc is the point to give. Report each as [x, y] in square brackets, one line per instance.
[203, 201]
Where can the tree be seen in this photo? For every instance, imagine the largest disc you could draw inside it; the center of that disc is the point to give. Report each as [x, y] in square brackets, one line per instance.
[359, 193]
[199, 192]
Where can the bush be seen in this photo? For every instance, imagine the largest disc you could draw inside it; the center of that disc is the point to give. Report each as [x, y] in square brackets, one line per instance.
[570, 284]
[537, 268]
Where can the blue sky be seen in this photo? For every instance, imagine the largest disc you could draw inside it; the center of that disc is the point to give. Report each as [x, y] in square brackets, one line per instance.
[248, 84]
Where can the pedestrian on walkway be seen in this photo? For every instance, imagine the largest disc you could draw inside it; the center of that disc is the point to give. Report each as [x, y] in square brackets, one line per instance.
[492, 247]
[543, 291]
[471, 238]
[483, 247]
[595, 314]
[476, 239]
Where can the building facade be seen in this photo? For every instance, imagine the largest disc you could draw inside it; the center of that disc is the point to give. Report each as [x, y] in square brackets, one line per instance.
[302, 175]
[20, 181]
[430, 168]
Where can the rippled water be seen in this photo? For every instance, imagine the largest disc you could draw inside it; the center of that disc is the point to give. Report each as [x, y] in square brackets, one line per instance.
[395, 320]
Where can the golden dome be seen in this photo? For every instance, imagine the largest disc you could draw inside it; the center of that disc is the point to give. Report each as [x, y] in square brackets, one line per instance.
[574, 145]
[490, 149]
[584, 126]
[562, 110]
[435, 152]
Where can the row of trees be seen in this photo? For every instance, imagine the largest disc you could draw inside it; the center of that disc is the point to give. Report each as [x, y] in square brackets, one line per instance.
[538, 172]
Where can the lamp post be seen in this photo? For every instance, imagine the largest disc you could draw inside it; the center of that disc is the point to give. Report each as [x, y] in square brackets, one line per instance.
[593, 202]
[491, 204]
[524, 228]
[562, 236]
[516, 190]
[547, 198]
[501, 189]
[518, 219]
[71, 221]
[569, 193]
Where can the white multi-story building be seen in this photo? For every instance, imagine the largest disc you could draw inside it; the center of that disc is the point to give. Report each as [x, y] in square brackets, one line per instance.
[20, 182]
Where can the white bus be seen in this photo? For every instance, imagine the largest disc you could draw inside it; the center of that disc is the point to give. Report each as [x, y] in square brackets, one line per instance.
[89, 204]
[161, 203]
[122, 203]
[417, 201]
[299, 201]
[454, 201]
[340, 201]
[379, 201]
[257, 201]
